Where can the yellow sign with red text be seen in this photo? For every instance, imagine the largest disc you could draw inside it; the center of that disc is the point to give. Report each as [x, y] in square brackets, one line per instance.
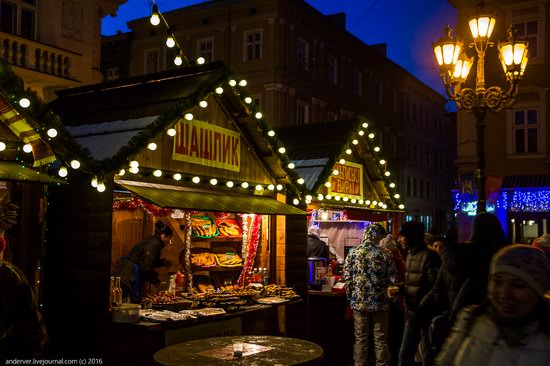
[205, 144]
[348, 182]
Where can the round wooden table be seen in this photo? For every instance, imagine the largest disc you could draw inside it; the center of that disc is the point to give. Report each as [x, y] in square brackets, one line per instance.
[256, 350]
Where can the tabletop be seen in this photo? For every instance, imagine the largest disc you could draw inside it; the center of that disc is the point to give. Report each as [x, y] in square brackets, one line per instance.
[240, 350]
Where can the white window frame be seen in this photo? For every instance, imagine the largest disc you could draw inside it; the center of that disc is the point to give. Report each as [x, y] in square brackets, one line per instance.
[524, 128]
[302, 55]
[539, 16]
[539, 104]
[331, 73]
[110, 73]
[253, 43]
[20, 5]
[205, 53]
[302, 106]
[145, 54]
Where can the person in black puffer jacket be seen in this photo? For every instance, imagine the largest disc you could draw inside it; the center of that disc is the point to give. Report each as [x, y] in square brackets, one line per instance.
[421, 268]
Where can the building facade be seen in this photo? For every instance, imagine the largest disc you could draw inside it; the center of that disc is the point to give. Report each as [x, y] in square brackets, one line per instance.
[304, 67]
[516, 139]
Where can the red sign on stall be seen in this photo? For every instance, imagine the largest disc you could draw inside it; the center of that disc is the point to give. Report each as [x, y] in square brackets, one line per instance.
[348, 182]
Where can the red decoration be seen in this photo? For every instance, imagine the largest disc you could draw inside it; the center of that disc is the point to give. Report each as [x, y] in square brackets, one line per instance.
[136, 202]
[254, 233]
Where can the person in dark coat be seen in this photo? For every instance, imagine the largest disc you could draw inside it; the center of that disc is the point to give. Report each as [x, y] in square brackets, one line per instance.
[22, 331]
[139, 265]
[315, 246]
[421, 268]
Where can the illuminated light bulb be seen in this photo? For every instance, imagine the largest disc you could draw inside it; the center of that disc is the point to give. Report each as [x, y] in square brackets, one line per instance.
[178, 60]
[392, 185]
[232, 82]
[361, 202]
[244, 184]
[171, 132]
[335, 172]
[170, 41]
[230, 184]
[134, 164]
[24, 102]
[2, 146]
[291, 166]
[371, 135]
[152, 146]
[243, 82]
[63, 172]
[367, 202]
[134, 170]
[308, 197]
[361, 132]
[345, 199]
[27, 148]
[328, 196]
[380, 204]
[300, 181]
[94, 182]
[196, 180]
[121, 172]
[401, 206]
[348, 151]
[295, 201]
[271, 133]
[342, 161]
[248, 100]
[213, 181]
[320, 197]
[355, 142]
[203, 104]
[387, 174]
[328, 184]
[271, 187]
[75, 164]
[201, 60]
[337, 198]
[353, 200]
[279, 187]
[258, 115]
[188, 116]
[377, 149]
[374, 203]
[282, 150]
[52, 132]
[219, 90]
[155, 17]
[259, 187]
[382, 162]
[101, 187]
[324, 216]
[365, 125]
[397, 195]
[384, 206]
[157, 173]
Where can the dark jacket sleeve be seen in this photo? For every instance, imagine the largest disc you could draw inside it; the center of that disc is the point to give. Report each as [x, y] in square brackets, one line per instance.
[149, 260]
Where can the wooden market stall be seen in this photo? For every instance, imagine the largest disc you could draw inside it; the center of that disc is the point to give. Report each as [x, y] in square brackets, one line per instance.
[177, 146]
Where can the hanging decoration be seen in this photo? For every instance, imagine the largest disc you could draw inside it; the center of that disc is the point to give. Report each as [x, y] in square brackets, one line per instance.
[252, 246]
[245, 237]
[136, 202]
[187, 264]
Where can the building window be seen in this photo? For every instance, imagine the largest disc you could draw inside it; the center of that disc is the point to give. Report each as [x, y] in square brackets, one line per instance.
[525, 131]
[408, 109]
[303, 54]
[302, 113]
[408, 186]
[331, 116]
[357, 83]
[205, 49]
[253, 45]
[393, 101]
[113, 73]
[378, 93]
[151, 61]
[18, 17]
[528, 31]
[331, 70]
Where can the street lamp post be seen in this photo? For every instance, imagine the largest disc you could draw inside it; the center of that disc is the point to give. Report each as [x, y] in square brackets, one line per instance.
[455, 66]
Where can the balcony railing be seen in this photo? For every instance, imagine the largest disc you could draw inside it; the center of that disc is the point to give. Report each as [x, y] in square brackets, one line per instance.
[37, 56]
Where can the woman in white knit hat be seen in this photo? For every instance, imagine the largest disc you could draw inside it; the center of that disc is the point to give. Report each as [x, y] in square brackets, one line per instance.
[513, 326]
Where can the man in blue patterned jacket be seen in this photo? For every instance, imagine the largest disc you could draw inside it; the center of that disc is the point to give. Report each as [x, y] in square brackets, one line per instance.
[368, 271]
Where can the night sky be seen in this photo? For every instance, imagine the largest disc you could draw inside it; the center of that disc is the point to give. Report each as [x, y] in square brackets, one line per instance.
[408, 27]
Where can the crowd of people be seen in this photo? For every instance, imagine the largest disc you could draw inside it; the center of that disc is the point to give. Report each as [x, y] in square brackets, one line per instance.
[481, 302]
